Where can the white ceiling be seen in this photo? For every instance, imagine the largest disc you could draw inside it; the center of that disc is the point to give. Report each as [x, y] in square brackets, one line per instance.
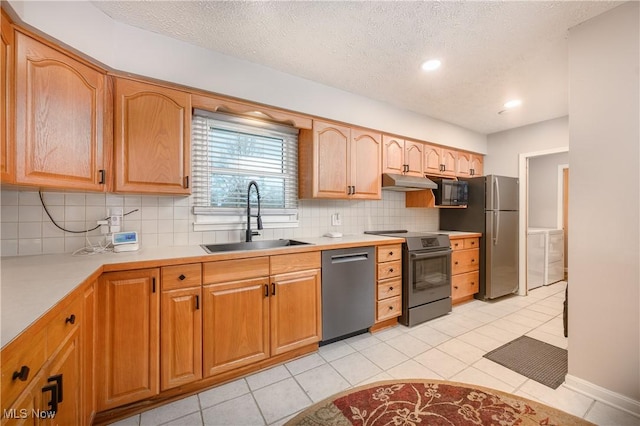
[491, 51]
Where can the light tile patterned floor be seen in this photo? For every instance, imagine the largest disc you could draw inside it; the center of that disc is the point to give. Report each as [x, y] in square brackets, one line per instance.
[450, 347]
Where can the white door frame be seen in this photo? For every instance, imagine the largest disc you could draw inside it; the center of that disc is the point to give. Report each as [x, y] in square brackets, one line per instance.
[523, 176]
[559, 221]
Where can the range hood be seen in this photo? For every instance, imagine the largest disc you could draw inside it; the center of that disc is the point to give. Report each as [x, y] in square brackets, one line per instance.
[397, 182]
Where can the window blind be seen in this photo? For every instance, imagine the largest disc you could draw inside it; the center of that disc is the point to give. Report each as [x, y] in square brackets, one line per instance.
[228, 152]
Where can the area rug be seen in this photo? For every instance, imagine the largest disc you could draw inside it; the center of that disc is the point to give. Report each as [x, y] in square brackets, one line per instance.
[539, 361]
[430, 402]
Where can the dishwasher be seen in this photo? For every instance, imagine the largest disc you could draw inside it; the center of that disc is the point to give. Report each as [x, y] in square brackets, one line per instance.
[348, 292]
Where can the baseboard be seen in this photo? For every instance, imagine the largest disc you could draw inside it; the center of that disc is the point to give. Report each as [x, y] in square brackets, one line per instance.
[603, 395]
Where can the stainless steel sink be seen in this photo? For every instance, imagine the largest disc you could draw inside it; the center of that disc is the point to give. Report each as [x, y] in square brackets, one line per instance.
[251, 245]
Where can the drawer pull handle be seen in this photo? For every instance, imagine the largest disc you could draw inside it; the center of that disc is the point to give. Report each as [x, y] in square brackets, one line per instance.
[390, 253]
[71, 319]
[390, 288]
[473, 260]
[53, 402]
[23, 374]
[456, 262]
[58, 381]
[390, 269]
[455, 286]
[182, 277]
[391, 308]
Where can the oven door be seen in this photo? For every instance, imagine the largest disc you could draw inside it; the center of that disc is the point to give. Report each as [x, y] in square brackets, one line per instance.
[428, 277]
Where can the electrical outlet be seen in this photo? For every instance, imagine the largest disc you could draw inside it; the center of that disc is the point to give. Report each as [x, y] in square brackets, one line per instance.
[336, 220]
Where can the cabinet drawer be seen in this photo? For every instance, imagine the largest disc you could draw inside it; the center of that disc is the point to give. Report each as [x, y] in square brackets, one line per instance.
[457, 243]
[389, 288]
[181, 276]
[63, 324]
[389, 253]
[389, 308]
[28, 350]
[389, 270]
[464, 285]
[465, 261]
[471, 243]
[234, 270]
[295, 262]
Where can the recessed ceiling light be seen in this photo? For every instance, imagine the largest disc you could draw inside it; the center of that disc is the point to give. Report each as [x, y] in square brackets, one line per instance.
[512, 103]
[431, 65]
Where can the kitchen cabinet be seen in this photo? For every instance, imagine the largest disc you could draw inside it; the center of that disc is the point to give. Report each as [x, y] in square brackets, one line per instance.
[181, 325]
[127, 362]
[236, 313]
[7, 160]
[152, 138]
[439, 161]
[402, 156]
[250, 315]
[465, 267]
[469, 164]
[388, 282]
[339, 162]
[295, 301]
[61, 118]
[42, 369]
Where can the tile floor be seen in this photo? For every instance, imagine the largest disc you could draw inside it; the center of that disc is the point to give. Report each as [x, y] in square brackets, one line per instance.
[450, 347]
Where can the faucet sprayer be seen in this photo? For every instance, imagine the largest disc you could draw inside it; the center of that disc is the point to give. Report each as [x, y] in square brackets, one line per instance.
[249, 233]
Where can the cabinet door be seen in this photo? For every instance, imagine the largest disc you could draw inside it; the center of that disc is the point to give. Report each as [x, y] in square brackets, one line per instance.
[60, 119]
[236, 324]
[128, 337]
[393, 155]
[65, 373]
[413, 158]
[464, 164]
[152, 138]
[365, 164]
[181, 337]
[477, 168]
[331, 160]
[296, 316]
[432, 160]
[449, 162]
[7, 159]
[30, 400]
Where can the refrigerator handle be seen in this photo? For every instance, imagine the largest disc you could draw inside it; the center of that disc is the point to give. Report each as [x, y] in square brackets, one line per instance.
[496, 228]
[496, 194]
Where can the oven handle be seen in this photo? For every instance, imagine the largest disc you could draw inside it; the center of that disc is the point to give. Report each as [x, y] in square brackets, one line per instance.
[430, 254]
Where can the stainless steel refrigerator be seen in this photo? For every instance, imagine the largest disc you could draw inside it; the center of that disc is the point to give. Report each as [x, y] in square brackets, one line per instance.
[493, 211]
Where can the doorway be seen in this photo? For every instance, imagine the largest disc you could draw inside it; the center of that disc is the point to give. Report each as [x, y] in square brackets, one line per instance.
[542, 199]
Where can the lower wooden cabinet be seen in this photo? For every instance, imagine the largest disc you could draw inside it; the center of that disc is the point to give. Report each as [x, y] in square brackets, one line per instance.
[236, 324]
[389, 282]
[465, 268]
[61, 389]
[181, 337]
[128, 355]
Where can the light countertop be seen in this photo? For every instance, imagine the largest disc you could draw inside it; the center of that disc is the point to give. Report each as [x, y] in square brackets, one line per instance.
[32, 285]
[460, 234]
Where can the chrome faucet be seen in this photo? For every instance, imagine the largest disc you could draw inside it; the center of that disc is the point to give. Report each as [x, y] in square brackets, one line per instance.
[249, 233]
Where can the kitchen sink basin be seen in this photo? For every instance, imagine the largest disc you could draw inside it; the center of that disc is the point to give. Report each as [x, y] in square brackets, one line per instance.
[251, 245]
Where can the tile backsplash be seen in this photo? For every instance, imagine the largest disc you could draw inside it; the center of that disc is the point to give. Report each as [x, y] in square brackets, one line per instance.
[168, 221]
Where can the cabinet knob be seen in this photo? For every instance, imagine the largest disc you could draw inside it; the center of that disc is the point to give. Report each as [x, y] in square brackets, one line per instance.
[23, 374]
[473, 260]
[70, 319]
[390, 288]
[390, 269]
[391, 308]
[390, 253]
[455, 286]
[182, 277]
[455, 263]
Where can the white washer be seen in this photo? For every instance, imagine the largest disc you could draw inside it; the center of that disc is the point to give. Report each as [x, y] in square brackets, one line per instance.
[536, 244]
[553, 249]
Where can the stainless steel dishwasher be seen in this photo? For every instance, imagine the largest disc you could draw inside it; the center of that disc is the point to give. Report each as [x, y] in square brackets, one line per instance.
[348, 292]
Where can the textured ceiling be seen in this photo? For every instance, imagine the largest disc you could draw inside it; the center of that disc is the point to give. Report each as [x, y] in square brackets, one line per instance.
[491, 51]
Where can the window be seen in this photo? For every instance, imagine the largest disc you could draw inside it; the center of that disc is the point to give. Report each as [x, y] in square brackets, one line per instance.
[228, 153]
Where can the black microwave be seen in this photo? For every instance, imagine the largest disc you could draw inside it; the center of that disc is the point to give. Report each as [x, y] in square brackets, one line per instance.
[451, 192]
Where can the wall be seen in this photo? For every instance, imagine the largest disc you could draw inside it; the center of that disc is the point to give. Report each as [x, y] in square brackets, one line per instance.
[604, 214]
[504, 148]
[80, 25]
[543, 190]
[167, 221]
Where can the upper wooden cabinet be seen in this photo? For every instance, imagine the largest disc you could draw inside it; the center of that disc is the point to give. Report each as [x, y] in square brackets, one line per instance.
[152, 138]
[469, 164]
[402, 156]
[60, 119]
[339, 162]
[7, 159]
[440, 161]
